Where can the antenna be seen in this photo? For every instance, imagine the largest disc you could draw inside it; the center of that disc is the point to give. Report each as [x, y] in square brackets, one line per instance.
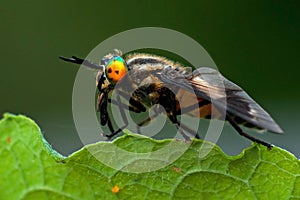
[81, 61]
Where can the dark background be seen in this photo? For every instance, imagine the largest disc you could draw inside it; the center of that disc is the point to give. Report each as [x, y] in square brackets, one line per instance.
[254, 43]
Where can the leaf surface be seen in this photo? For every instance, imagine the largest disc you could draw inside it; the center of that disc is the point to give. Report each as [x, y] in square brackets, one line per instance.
[138, 167]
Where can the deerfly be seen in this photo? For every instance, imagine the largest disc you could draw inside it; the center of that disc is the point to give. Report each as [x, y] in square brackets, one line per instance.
[146, 80]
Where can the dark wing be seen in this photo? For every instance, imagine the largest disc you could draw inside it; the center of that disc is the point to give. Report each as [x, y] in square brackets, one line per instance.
[211, 85]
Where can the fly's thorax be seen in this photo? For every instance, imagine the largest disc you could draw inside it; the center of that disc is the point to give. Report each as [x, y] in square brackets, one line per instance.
[149, 61]
[145, 75]
[142, 59]
[143, 80]
[143, 86]
[148, 94]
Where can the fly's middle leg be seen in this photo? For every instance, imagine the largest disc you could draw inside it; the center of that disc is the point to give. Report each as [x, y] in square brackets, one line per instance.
[168, 101]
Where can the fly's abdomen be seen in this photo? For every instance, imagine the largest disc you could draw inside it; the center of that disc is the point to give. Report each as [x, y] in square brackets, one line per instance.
[195, 106]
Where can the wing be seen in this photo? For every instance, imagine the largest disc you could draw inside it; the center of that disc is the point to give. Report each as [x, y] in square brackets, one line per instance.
[211, 85]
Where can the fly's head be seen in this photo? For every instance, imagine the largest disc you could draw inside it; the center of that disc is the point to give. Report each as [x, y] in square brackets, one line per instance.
[115, 66]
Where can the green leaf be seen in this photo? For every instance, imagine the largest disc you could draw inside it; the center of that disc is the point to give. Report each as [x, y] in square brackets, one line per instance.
[123, 169]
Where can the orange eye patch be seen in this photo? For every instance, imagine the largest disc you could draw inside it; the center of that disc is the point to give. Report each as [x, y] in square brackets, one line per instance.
[116, 69]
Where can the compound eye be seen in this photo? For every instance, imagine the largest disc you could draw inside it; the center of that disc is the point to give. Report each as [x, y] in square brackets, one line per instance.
[116, 69]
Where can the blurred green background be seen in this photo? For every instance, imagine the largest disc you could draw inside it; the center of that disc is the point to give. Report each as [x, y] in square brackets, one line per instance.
[254, 43]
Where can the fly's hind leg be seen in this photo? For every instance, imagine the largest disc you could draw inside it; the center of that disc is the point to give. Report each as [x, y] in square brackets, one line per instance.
[240, 131]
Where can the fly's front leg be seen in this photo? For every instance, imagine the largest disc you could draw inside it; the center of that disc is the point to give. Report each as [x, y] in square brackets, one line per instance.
[134, 106]
[102, 105]
[102, 108]
[123, 115]
[105, 119]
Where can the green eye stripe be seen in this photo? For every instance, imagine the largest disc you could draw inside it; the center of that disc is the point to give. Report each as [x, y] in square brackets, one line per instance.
[116, 58]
